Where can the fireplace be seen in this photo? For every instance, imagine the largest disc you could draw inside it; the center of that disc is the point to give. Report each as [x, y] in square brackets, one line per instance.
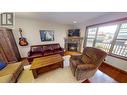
[72, 46]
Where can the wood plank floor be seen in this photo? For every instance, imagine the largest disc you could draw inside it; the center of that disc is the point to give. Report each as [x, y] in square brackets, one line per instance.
[116, 73]
[100, 77]
[71, 53]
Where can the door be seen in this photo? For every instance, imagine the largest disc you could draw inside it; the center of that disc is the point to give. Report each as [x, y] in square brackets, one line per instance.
[6, 47]
[2, 55]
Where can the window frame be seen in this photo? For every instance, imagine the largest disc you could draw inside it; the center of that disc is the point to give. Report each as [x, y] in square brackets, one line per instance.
[119, 22]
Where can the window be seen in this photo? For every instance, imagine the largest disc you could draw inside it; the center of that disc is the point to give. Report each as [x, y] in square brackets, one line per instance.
[120, 47]
[105, 36]
[91, 36]
[110, 38]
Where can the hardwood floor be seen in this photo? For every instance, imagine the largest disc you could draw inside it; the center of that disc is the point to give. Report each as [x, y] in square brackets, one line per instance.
[108, 74]
[24, 61]
[115, 73]
[100, 77]
[71, 53]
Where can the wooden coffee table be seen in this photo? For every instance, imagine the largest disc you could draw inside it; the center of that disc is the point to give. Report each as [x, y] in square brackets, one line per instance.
[44, 64]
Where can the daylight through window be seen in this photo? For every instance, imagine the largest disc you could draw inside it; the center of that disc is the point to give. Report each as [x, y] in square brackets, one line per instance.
[110, 38]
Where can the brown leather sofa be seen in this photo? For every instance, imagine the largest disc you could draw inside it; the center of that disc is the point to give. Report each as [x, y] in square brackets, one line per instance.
[85, 65]
[44, 50]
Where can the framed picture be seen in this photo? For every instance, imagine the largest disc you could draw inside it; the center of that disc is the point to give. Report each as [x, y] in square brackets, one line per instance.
[47, 35]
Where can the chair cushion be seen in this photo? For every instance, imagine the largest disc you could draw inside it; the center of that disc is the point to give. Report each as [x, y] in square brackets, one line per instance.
[76, 62]
[86, 59]
[92, 55]
[86, 66]
[2, 64]
[76, 57]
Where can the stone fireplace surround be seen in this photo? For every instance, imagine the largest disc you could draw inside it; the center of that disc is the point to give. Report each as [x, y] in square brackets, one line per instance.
[73, 43]
[72, 46]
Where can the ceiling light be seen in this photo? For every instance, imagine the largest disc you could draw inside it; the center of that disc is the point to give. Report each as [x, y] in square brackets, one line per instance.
[74, 21]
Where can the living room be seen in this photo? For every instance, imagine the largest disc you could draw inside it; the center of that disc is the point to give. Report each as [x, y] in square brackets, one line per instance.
[68, 32]
[63, 47]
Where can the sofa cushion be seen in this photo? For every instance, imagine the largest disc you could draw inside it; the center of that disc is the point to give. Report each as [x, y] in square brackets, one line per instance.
[36, 49]
[48, 53]
[36, 54]
[2, 64]
[57, 51]
[57, 46]
[48, 47]
[10, 69]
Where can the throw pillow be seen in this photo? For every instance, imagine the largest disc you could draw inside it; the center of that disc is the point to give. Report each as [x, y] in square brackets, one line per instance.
[2, 64]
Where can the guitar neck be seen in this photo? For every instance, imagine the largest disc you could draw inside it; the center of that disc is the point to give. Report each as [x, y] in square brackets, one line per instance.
[20, 33]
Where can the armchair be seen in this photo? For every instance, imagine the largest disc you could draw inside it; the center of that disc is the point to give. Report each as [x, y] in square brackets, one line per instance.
[85, 65]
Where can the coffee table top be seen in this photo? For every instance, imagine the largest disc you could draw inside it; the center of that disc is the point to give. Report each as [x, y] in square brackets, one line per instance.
[45, 61]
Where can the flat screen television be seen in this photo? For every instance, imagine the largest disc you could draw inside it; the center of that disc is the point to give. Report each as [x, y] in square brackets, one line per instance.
[74, 33]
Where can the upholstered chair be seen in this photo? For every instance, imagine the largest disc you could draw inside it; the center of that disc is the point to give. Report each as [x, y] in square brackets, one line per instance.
[85, 65]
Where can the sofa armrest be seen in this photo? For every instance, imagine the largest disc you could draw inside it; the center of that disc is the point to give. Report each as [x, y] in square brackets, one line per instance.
[86, 66]
[76, 57]
[29, 53]
[62, 49]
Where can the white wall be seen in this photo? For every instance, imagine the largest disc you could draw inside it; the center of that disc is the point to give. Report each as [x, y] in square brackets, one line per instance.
[31, 29]
[107, 17]
[118, 63]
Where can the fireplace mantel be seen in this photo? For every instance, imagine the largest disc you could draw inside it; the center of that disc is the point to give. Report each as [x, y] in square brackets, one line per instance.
[73, 37]
[73, 40]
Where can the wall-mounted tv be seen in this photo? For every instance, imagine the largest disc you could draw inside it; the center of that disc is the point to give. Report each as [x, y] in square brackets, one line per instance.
[74, 33]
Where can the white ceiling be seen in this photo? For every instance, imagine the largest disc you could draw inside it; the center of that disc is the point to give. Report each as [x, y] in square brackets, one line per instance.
[61, 17]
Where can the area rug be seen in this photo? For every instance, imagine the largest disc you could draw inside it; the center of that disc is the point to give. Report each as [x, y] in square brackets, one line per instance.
[60, 75]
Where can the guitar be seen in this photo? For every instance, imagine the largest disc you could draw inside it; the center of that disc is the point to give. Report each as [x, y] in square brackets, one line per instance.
[22, 40]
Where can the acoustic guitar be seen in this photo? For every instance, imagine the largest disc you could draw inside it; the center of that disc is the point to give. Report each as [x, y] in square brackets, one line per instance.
[22, 40]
